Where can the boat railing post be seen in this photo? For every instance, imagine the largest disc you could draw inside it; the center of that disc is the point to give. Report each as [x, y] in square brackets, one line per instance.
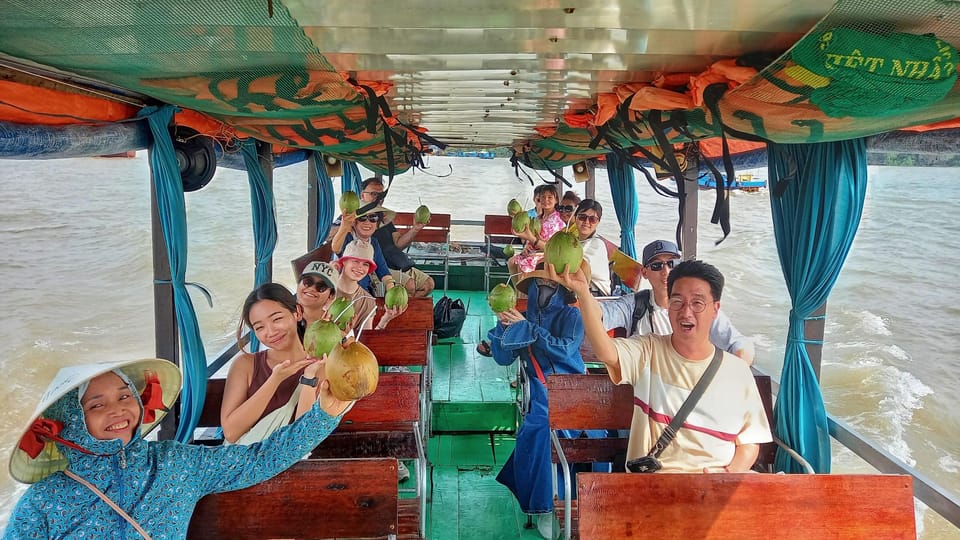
[312, 210]
[166, 337]
[265, 157]
[813, 336]
[590, 190]
[688, 234]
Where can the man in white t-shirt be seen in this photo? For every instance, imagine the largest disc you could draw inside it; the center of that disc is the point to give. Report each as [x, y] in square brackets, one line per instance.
[724, 431]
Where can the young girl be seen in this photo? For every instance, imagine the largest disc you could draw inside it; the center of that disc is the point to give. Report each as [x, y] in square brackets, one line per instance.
[355, 264]
[86, 446]
[545, 197]
[264, 389]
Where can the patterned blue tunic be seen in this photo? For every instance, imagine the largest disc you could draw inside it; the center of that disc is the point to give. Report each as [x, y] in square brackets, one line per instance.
[158, 483]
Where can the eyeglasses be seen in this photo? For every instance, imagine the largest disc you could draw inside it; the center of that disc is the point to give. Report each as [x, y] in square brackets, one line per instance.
[372, 218]
[588, 219]
[564, 208]
[697, 306]
[371, 193]
[657, 266]
[320, 285]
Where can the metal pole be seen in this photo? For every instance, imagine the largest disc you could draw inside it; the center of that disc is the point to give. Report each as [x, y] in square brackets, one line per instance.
[166, 337]
[265, 157]
[688, 234]
[590, 190]
[312, 210]
[813, 330]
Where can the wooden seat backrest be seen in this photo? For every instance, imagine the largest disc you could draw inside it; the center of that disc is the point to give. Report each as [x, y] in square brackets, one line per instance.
[589, 402]
[397, 346]
[395, 400]
[331, 498]
[437, 231]
[418, 316]
[745, 506]
[498, 228]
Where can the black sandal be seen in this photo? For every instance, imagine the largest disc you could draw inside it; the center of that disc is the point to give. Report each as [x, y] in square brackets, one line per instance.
[484, 349]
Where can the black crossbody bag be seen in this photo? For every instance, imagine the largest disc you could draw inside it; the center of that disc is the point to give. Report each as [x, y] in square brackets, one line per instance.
[650, 462]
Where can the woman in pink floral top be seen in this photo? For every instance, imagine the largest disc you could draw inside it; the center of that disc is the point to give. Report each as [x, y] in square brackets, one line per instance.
[545, 196]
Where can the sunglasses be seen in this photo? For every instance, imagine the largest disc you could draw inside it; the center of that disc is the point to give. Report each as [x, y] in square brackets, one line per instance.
[319, 284]
[564, 208]
[658, 265]
[588, 219]
[372, 218]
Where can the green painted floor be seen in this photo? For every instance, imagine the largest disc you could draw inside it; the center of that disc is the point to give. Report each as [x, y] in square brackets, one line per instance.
[474, 418]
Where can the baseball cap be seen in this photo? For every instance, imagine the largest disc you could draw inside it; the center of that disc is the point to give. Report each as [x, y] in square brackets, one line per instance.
[659, 247]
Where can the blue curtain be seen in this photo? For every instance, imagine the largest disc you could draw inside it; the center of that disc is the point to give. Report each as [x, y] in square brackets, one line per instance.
[264, 219]
[351, 180]
[325, 205]
[624, 193]
[816, 196]
[173, 219]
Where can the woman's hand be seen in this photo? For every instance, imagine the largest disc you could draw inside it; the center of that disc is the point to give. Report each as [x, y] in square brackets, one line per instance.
[390, 314]
[328, 402]
[526, 235]
[313, 369]
[288, 367]
[347, 219]
[510, 316]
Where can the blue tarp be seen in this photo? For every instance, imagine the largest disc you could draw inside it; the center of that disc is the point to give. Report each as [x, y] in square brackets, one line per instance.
[816, 195]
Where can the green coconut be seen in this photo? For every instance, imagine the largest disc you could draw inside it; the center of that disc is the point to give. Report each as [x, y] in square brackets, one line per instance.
[321, 337]
[514, 208]
[396, 297]
[341, 312]
[520, 222]
[422, 215]
[502, 298]
[352, 371]
[508, 250]
[564, 252]
[349, 202]
[535, 227]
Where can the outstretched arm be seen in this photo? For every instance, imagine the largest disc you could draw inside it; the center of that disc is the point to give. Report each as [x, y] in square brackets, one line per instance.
[593, 328]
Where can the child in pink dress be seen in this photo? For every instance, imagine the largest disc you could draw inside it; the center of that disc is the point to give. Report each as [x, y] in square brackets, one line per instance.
[545, 196]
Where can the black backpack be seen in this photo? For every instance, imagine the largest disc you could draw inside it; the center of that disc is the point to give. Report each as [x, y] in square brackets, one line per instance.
[641, 307]
[448, 317]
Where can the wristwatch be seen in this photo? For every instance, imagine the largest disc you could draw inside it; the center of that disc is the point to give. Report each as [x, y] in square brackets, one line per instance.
[309, 381]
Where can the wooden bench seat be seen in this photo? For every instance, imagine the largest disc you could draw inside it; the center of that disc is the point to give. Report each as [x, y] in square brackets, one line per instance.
[594, 402]
[437, 231]
[418, 316]
[338, 498]
[745, 506]
[496, 230]
[383, 424]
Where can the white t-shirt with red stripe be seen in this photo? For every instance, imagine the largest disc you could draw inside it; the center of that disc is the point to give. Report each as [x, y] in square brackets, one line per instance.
[729, 412]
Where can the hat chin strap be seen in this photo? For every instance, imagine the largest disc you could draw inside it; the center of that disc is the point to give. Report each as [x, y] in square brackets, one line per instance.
[43, 430]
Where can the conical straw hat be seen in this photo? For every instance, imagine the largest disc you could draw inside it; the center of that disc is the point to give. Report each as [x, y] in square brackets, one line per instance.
[29, 470]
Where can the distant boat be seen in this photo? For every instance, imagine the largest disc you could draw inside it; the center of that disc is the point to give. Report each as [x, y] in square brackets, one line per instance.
[128, 154]
[744, 182]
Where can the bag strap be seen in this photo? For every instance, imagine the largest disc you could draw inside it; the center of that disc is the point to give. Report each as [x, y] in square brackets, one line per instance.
[670, 431]
[109, 501]
[536, 366]
[641, 305]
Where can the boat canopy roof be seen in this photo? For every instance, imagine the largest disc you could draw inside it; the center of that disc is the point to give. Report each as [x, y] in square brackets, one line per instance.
[559, 82]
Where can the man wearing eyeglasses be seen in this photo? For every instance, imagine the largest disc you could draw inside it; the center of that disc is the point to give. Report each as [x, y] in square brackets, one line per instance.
[722, 433]
[646, 311]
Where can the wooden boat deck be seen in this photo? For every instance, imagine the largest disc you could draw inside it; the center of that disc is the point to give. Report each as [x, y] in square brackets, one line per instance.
[474, 418]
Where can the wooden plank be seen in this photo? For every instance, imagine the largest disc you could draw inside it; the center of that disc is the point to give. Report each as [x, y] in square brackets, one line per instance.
[354, 498]
[397, 346]
[589, 402]
[418, 316]
[745, 506]
[397, 399]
